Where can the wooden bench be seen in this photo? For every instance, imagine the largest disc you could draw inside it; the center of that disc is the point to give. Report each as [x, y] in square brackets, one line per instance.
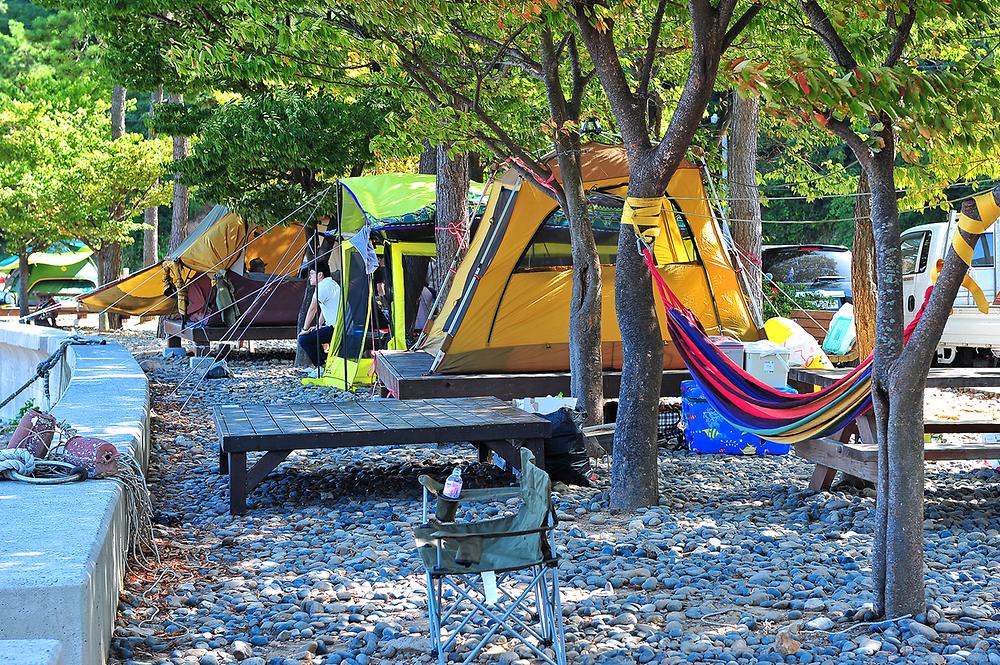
[487, 422]
[860, 458]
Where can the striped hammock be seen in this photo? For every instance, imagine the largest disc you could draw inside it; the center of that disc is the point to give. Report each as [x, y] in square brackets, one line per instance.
[756, 407]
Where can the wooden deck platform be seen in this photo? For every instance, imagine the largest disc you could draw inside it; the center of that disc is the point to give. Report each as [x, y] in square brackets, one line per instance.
[405, 374]
[490, 424]
[938, 377]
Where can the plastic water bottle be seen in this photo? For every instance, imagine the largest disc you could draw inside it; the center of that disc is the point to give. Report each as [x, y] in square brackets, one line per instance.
[453, 486]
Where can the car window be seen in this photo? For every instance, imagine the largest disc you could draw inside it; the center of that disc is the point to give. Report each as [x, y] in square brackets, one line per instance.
[914, 248]
[805, 265]
[982, 257]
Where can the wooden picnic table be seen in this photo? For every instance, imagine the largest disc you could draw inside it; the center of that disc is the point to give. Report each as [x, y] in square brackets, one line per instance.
[859, 457]
[276, 430]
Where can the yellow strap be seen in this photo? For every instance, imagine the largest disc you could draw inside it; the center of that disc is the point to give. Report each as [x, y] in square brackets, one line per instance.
[969, 284]
[989, 211]
[644, 216]
[962, 246]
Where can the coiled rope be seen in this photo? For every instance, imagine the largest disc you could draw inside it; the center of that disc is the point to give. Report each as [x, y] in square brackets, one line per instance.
[19, 464]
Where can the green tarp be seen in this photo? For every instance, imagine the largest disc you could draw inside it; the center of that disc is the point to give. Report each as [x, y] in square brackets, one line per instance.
[387, 196]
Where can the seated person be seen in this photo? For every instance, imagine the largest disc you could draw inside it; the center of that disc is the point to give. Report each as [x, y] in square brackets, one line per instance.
[325, 302]
[257, 265]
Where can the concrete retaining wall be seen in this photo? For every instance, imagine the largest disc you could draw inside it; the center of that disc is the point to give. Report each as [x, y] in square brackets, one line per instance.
[21, 349]
[62, 556]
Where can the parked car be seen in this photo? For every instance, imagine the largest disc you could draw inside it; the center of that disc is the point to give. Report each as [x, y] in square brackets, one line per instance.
[818, 273]
[970, 338]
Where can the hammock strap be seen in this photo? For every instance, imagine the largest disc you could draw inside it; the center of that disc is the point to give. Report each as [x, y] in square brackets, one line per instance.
[989, 211]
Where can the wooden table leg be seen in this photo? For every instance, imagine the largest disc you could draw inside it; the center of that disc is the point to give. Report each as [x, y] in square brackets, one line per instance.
[485, 454]
[237, 483]
[822, 478]
[537, 447]
[223, 462]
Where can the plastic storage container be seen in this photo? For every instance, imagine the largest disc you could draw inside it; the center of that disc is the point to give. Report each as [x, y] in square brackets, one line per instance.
[706, 431]
[731, 347]
[842, 336]
[767, 362]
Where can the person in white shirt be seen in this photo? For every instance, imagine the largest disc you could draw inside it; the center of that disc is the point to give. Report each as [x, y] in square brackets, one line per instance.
[326, 303]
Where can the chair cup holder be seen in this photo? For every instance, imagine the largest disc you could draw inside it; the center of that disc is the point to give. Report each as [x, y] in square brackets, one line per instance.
[446, 509]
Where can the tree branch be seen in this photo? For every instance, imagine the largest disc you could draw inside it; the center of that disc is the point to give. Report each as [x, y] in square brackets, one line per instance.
[741, 24]
[857, 145]
[422, 73]
[629, 113]
[646, 69]
[828, 34]
[902, 33]
[523, 60]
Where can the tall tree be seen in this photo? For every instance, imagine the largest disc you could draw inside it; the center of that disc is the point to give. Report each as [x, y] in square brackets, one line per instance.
[62, 177]
[864, 272]
[713, 28]
[451, 198]
[151, 234]
[888, 79]
[109, 256]
[181, 201]
[744, 197]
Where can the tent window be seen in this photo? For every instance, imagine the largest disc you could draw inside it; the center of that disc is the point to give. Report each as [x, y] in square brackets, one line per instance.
[550, 246]
[685, 251]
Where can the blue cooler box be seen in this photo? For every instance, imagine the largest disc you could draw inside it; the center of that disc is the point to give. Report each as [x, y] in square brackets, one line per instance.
[706, 431]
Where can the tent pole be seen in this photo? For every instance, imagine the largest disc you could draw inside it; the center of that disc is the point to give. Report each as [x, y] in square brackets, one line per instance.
[315, 252]
[343, 286]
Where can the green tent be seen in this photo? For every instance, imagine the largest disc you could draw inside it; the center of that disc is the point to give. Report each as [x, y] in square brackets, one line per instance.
[65, 269]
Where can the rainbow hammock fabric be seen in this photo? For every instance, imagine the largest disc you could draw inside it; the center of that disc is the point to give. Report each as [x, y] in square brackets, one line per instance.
[754, 406]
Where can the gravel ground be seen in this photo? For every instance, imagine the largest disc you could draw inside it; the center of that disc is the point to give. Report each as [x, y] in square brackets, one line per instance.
[739, 563]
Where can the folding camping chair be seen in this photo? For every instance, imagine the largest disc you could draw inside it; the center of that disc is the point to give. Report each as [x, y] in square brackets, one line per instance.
[486, 564]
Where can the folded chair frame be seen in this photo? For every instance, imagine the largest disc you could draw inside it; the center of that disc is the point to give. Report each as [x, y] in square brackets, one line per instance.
[543, 585]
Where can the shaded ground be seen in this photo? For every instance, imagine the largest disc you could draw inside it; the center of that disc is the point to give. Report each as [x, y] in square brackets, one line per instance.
[322, 568]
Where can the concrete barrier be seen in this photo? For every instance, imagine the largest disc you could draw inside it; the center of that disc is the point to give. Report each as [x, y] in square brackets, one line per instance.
[62, 554]
[30, 652]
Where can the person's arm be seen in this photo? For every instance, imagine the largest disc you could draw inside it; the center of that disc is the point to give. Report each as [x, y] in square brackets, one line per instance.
[310, 315]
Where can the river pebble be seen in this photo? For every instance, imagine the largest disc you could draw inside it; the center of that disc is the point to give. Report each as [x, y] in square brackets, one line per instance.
[739, 563]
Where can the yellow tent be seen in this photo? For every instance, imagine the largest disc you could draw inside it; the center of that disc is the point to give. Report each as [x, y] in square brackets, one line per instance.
[508, 307]
[222, 241]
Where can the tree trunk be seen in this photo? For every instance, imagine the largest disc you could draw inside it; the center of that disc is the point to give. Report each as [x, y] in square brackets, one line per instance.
[110, 254]
[452, 211]
[898, 398]
[475, 167]
[744, 198]
[23, 269]
[179, 220]
[428, 159]
[151, 234]
[634, 470]
[864, 277]
[585, 362]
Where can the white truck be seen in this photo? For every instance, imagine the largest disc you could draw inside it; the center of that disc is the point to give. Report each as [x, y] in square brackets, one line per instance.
[971, 338]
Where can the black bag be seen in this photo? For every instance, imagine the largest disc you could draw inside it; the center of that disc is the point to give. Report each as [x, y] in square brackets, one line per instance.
[566, 452]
